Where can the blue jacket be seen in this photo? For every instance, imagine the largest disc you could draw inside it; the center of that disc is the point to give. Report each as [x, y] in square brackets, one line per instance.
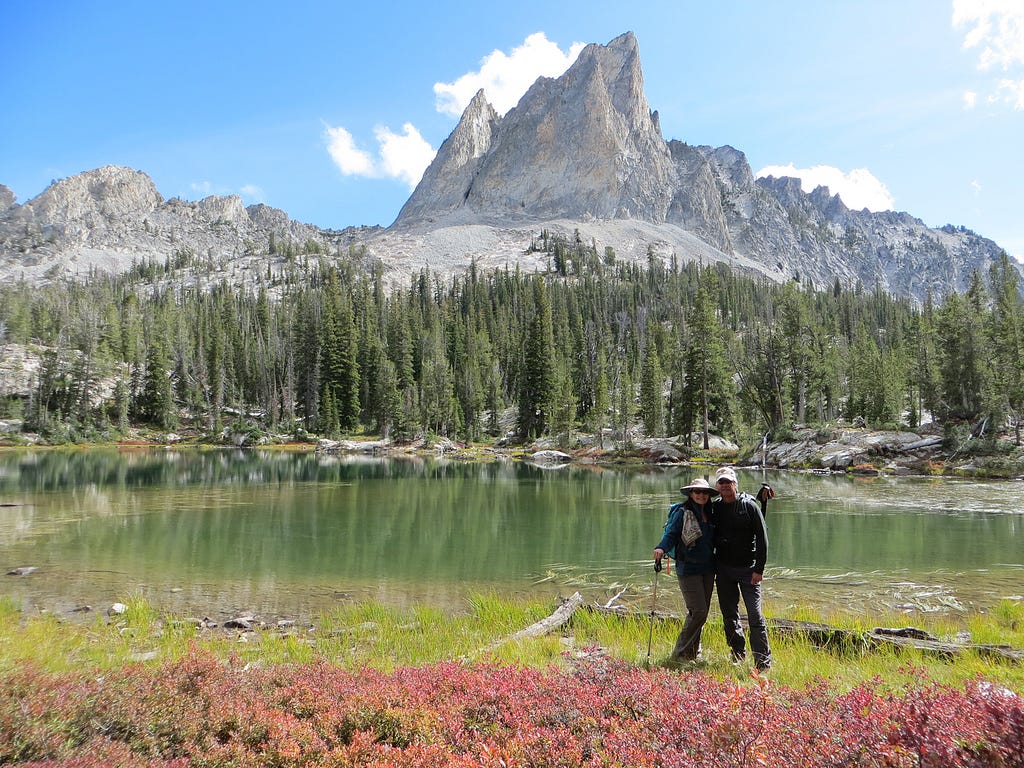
[700, 558]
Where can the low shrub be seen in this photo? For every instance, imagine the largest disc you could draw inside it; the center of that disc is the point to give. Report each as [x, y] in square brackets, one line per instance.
[199, 711]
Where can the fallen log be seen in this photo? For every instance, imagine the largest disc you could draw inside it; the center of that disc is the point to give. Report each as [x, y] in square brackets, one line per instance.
[934, 645]
[545, 626]
[853, 641]
[824, 636]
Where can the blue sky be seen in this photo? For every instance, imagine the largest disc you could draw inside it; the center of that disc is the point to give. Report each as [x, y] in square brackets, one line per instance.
[330, 110]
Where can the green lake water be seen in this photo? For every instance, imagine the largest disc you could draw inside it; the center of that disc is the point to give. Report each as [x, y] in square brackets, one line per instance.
[290, 534]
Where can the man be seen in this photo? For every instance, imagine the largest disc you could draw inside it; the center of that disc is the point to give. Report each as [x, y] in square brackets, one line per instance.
[741, 549]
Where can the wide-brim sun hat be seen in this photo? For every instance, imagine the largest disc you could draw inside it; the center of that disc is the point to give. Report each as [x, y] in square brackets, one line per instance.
[698, 484]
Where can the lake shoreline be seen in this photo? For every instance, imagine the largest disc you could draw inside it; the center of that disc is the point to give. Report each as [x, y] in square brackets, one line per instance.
[846, 450]
[827, 449]
[837, 450]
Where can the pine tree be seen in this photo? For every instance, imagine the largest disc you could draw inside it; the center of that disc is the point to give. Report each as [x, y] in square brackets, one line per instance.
[563, 412]
[437, 396]
[537, 377]
[339, 352]
[1007, 343]
[960, 348]
[155, 404]
[793, 312]
[652, 403]
[706, 393]
[387, 400]
[602, 401]
[926, 371]
[625, 405]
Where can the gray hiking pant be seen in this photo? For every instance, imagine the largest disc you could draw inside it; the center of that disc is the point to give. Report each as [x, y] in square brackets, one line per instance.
[697, 592]
[732, 584]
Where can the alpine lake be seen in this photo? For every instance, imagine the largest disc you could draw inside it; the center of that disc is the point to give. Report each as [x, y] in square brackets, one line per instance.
[282, 534]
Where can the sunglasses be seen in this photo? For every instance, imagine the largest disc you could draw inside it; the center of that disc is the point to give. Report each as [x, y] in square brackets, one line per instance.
[724, 482]
[695, 491]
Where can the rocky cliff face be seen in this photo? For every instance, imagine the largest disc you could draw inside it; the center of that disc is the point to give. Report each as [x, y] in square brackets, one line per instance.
[580, 154]
[583, 146]
[111, 218]
[7, 198]
[586, 148]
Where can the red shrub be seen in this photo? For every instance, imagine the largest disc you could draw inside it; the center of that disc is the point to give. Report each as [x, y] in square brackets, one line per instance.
[203, 713]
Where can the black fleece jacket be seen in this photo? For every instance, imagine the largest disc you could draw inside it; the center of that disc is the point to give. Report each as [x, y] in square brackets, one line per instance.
[741, 536]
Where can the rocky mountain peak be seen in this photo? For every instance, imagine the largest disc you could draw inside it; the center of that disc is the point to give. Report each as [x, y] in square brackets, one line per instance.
[446, 182]
[584, 151]
[111, 191]
[584, 145]
[7, 197]
[616, 67]
[224, 209]
[110, 218]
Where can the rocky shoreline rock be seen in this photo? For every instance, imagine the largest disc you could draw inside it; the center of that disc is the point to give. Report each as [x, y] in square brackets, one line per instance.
[845, 449]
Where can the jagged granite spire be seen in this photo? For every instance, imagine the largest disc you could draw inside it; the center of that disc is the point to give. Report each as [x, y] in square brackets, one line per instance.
[448, 179]
[584, 145]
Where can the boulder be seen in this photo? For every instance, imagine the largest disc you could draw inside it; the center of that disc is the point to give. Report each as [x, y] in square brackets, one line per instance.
[550, 457]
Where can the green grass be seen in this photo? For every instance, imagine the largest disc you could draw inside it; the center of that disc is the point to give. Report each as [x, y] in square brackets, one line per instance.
[386, 637]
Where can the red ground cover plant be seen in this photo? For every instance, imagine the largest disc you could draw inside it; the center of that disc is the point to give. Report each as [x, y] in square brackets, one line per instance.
[202, 712]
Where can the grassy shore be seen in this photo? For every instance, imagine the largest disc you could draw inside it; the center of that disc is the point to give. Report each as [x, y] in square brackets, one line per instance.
[372, 685]
[375, 636]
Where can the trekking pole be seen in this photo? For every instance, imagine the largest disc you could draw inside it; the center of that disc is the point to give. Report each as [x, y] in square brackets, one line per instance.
[654, 605]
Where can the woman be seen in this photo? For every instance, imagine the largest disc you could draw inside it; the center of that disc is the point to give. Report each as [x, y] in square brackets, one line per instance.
[695, 564]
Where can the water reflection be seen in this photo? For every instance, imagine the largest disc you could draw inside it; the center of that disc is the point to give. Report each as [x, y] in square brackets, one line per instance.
[279, 533]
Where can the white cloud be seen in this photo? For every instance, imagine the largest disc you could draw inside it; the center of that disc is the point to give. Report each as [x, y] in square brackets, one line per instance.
[996, 28]
[970, 99]
[253, 192]
[1013, 91]
[858, 189]
[506, 77]
[976, 187]
[343, 151]
[402, 156]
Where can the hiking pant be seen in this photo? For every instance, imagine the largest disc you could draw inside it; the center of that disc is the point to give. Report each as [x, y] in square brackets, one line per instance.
[732, 584]
[697, 596]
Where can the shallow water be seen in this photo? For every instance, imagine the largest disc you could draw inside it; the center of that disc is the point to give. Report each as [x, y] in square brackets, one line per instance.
[292, 534]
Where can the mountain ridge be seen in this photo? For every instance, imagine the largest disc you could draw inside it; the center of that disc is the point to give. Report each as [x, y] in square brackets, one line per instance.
[581, 154]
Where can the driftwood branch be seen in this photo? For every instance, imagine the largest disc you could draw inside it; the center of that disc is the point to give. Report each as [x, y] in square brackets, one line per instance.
[545, 626]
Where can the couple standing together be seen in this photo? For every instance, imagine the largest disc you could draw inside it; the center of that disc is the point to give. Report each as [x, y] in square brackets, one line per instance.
[731, 549]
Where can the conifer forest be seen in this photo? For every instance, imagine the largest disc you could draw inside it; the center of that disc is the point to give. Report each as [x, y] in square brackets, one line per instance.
[323, 346]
